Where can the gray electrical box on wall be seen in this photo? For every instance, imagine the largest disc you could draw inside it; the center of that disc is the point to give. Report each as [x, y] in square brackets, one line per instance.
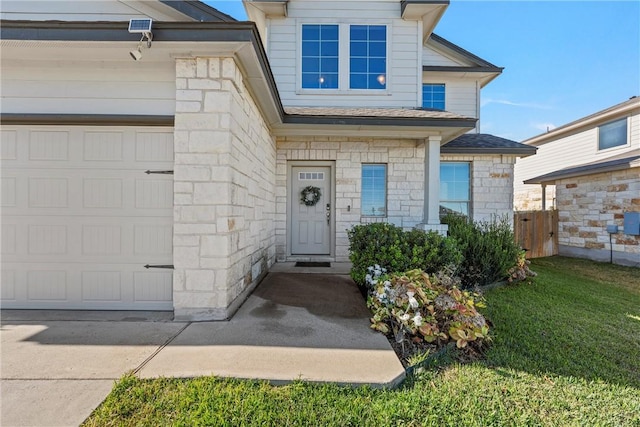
[632, 223]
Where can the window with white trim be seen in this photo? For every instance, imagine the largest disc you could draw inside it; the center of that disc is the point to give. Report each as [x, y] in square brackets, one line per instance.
[455, 188]
[367, 56]
[374, 190]
[612, 134]
[433, 95]
[320, 49]
[343, 57]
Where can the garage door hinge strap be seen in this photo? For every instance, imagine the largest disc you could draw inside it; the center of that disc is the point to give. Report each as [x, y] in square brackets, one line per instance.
[159, 172]
[169, 266]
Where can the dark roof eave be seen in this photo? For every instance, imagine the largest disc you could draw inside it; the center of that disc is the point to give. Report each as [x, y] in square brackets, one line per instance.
[577, 171]
[377, 121]
[198, 10]
[117, 31]
[463, 69]
[523, 152]
[462, 51]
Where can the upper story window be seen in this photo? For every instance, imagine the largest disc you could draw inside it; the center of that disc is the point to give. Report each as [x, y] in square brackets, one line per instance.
[343, 57]
[613, 134]
[368, 56]
[455, 188]
[320, 49]
[433, 96]
[374, 190]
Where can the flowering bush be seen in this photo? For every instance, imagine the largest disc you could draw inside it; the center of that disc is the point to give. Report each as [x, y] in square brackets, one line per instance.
[419, 307]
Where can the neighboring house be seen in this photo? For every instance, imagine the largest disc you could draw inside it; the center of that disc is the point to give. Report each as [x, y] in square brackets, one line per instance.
[355, 98]
[589, 170]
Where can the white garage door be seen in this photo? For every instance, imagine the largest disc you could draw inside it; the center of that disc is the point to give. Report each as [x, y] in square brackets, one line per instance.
[81, 218]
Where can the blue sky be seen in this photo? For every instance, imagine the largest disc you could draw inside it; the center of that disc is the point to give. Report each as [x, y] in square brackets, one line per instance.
[563, 59]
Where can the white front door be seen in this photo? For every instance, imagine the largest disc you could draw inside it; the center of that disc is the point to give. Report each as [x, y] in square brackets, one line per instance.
[311, 225]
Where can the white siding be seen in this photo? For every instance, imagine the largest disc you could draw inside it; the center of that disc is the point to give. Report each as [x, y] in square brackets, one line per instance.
[103, 10]
[403, 70]
[431, 56]
[460, 95]
[573, 150]
[67, 87]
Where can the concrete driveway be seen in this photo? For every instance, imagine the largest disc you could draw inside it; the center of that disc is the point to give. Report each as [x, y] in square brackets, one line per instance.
[56, 369]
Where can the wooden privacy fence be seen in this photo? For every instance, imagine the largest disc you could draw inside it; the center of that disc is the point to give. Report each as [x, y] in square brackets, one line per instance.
[537, 232]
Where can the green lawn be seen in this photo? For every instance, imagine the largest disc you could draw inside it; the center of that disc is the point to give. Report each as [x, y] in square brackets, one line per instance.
[566, 351]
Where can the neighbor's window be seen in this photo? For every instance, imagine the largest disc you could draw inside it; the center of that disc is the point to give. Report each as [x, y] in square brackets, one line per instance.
[455, 188]
[612, 134]
[320, 56]
[368, 57]
[433, 96]
[374, 190]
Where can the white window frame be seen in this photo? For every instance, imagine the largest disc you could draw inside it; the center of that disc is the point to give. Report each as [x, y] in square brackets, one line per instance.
[433, 83]
[386, 190]
[344, 56]
[627, 144]
[470, 200]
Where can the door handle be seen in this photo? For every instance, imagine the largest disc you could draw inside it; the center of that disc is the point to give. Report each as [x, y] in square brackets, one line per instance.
[328, 213]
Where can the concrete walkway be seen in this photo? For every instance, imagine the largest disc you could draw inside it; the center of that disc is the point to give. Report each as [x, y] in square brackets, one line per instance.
[56, 369]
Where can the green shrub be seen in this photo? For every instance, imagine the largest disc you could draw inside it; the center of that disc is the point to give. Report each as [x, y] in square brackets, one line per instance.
[383, 244]
[431, 252]
[389, 247]
[489, 249]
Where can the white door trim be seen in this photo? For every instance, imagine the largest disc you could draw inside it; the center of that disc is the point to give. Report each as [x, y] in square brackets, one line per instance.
[326, 163]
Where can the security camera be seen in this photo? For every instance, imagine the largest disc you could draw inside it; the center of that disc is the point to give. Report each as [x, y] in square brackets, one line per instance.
[136, 54]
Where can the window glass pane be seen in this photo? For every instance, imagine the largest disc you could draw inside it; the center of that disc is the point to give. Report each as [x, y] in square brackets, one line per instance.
[455, 188]
[377, 65]
[359, 32]
[358, 49]
[311, 32]
[374, 190]
[311, 64]
[433, 96]
[310, 49]
[329, 48]
[358, 81]
[612, 134]
[329, 32]
[368, 55]
[320, 56]
[358, 65]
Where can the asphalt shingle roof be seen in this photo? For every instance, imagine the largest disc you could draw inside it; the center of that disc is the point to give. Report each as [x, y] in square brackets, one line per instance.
[483, 143]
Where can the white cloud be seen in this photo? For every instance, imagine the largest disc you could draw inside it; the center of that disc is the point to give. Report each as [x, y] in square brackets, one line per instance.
[487, 101]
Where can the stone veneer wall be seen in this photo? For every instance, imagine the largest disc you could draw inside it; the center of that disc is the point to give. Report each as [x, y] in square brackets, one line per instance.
[492, 182]
[405, 160]
[587, 204]
[224, 190]
[531, 198]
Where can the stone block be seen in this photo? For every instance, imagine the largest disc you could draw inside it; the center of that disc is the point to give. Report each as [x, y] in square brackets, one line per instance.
[200, 280]
[188, 107]
[214, 246]
[210, 193]
[185, 68]
[186, 257]
[219, 102]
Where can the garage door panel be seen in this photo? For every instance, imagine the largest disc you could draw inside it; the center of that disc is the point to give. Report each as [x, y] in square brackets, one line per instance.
[81, 218]
[87, 286]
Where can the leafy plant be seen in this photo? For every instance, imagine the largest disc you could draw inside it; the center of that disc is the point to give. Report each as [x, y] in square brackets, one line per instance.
[416, 306]
[393, 249]
[489, 250]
